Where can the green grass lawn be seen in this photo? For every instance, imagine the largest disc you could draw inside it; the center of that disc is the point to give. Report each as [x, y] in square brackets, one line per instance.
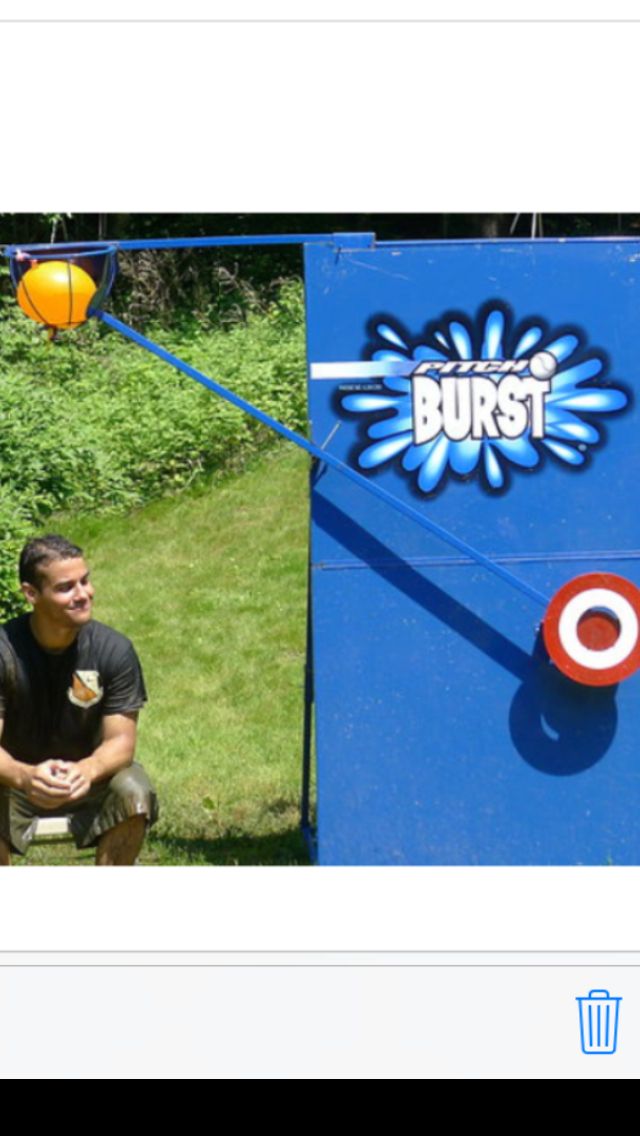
[211, 588]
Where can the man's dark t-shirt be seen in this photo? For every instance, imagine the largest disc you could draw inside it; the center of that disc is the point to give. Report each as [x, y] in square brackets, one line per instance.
[53, 703]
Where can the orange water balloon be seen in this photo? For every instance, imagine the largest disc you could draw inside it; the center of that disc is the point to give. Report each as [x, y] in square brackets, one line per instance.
[56, 293]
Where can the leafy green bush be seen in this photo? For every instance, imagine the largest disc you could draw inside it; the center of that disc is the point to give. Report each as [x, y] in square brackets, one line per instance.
[94, 423]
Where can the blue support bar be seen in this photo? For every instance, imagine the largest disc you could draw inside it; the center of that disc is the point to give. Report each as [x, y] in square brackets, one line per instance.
[340, 240]
[322, 456]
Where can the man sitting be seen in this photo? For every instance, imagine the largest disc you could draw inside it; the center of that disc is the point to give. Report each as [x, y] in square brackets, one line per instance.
[70, 692]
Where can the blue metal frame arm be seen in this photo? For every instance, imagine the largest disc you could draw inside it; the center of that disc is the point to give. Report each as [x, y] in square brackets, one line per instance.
[323, 456]
[340, 240]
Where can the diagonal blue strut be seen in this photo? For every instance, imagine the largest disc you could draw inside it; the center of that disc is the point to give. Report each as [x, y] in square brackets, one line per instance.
[323, 456]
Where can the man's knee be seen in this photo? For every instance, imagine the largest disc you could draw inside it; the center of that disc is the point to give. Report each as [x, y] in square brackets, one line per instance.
[133, 790]
[5, 854]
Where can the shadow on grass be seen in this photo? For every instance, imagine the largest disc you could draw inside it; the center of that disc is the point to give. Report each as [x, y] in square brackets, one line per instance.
[286, 848]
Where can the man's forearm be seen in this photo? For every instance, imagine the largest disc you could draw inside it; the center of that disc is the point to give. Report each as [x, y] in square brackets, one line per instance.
[107, 759]
[14, 774]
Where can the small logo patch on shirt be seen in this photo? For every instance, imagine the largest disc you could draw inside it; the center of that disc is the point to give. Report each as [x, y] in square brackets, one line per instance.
[85, 689]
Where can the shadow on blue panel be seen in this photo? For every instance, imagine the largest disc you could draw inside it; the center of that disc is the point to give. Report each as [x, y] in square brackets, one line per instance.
[433, 599]
[557, 726]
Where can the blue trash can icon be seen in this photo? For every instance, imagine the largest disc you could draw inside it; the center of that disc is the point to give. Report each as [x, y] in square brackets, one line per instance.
[599, 1022]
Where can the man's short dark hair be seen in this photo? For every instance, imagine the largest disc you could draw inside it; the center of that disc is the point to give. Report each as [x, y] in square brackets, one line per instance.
[40, 552]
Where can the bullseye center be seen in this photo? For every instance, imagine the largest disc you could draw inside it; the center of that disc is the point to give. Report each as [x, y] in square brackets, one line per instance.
[598, 629]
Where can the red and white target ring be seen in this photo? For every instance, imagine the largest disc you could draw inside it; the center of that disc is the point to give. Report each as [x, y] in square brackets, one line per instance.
[592, 629]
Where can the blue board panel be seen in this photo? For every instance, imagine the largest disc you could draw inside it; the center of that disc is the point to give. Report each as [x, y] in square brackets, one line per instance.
[444, 734]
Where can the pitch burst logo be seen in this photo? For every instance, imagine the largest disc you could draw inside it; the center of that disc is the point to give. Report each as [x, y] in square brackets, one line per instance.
[476, 396]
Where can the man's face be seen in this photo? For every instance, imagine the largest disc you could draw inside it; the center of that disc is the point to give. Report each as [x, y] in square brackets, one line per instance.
[64, 595]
